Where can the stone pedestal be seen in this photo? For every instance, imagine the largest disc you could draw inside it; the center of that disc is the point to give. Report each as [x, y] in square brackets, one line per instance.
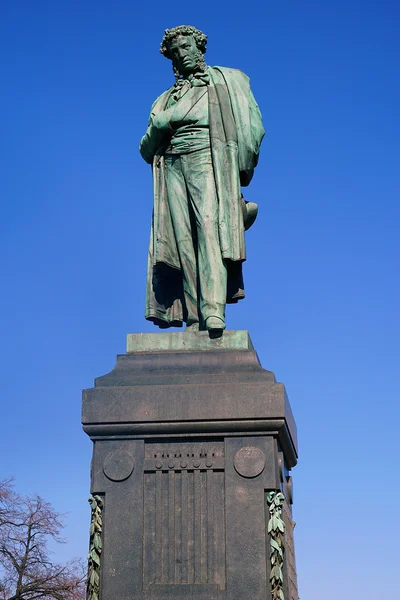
[191, 435]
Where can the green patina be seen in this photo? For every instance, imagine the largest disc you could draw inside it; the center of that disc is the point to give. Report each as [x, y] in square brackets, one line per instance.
[95, 548]
[276, 530]
[200, 340]
[203, 140]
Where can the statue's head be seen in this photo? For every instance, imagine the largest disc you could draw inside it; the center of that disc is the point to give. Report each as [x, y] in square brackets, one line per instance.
[185, 46]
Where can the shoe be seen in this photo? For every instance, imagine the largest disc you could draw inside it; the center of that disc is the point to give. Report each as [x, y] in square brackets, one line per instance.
[192, 327]
[215, 324]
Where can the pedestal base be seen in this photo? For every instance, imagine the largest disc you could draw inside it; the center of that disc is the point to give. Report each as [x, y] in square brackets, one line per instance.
[190, 436]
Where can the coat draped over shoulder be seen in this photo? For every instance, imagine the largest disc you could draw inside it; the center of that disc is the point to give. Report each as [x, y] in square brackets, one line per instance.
[236, 132]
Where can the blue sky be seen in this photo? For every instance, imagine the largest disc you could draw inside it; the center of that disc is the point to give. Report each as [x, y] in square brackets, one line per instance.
[78, 79]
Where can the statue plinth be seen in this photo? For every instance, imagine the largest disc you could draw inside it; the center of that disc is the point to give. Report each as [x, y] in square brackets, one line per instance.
[193, 443]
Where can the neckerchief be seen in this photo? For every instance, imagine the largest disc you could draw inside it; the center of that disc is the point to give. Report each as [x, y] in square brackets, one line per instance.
[197, 79]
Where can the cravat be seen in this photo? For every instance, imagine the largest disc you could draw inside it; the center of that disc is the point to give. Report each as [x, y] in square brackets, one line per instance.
[197, 79]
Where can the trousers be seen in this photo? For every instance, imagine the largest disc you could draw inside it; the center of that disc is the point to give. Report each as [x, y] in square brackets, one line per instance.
[193, 205]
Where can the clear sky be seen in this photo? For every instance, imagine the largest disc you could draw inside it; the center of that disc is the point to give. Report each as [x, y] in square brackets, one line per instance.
[78, 78]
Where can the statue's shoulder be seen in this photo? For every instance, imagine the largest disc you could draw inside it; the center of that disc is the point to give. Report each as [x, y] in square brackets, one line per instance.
[230, 74]
[159, 102]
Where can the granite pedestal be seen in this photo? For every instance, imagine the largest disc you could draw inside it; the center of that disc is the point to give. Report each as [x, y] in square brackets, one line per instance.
[190, 435]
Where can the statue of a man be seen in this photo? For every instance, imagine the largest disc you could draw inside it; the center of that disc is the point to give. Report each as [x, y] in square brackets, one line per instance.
[203, 141]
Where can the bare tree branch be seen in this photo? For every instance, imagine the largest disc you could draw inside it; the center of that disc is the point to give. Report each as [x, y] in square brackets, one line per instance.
[26, 570]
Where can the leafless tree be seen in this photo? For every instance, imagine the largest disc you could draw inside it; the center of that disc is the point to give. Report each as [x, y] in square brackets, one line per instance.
[26, 570]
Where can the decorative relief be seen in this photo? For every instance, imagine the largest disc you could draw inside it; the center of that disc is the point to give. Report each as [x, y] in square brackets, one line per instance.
[184, 514]
[118, 465]
[95, 547]
[249, 461]
[276, 530]
[185, 456]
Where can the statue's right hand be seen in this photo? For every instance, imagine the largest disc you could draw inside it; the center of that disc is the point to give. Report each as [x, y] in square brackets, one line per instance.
[181, 115]
[173, 117]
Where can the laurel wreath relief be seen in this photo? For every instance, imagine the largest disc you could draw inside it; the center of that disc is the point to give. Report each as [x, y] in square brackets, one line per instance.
[95, 546]
[276, 529]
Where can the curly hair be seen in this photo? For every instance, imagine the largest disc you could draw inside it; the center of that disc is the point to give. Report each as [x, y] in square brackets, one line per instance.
[199, 37]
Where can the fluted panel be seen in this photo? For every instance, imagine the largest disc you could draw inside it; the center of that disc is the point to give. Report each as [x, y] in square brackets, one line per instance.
[184, 518]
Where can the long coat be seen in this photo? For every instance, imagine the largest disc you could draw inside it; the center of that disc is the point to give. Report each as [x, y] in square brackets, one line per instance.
[236, 132]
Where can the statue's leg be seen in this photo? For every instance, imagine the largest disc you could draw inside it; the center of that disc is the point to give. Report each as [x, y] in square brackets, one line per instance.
[180, 215]
[199, 175]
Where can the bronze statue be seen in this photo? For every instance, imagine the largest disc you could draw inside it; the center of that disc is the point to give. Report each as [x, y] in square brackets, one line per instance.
[203, 141]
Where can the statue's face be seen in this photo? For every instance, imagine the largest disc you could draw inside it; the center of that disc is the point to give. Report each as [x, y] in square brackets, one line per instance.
[184, 51]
